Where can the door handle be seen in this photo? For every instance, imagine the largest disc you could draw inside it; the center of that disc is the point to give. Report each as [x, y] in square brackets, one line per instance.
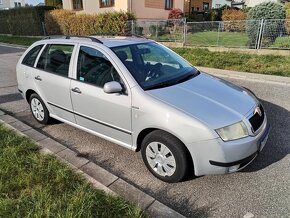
[77, 90]
[38, 78]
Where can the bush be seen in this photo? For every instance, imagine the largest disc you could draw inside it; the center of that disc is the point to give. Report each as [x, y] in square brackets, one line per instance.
[233, 14]
[234, 20]
[282, 42]
[23, 21]
[63, 22]
[175, 13]
[267, 10]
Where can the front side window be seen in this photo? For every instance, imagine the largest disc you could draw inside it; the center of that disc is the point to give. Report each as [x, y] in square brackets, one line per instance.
[154, 66]
[107, 3]
[56, 59]
[168, 4]
[94, 68]
[31, 56]
[77, 4]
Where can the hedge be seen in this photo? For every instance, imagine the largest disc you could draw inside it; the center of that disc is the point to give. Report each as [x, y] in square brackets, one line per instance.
[234, 20]
[23, 21]
[64, 22]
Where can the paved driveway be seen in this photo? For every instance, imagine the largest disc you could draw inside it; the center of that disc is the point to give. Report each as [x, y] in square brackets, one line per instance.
[262, 189]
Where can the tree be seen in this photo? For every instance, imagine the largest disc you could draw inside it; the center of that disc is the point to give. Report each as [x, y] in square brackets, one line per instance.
[55, 3]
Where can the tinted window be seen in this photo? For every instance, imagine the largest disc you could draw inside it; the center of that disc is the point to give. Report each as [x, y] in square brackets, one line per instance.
[56, 59]
[94, 68]
[31, 56]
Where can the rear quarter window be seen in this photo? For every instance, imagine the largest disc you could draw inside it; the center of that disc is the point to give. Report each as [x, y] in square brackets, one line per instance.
[31, 56]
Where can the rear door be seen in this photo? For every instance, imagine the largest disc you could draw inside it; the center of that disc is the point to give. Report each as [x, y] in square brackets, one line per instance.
[106, 114]
[52, 79]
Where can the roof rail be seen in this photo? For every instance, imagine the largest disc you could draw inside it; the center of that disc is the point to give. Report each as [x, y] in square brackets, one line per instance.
[69, 37]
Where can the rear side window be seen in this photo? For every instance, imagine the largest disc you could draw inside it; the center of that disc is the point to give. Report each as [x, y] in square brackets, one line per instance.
[56, 59]
[31, 56]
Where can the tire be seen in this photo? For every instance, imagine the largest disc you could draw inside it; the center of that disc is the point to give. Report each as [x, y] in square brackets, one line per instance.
[165, 156]
[38, 109]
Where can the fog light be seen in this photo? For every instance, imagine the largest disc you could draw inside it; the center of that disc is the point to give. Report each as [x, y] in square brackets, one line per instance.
[234, 168]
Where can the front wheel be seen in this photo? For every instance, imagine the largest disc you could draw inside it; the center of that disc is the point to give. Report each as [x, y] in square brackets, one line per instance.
[165, 156]
[38, 109]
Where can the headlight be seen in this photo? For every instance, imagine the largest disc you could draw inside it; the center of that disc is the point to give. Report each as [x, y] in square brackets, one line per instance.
[233, 132]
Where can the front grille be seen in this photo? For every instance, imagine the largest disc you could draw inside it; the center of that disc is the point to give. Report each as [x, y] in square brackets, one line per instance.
[257, 120]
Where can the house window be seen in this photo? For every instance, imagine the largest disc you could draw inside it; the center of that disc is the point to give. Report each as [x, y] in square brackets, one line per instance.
[77, 4]
[168, 4]
[17, 4]
[205, 6]
[107, 3]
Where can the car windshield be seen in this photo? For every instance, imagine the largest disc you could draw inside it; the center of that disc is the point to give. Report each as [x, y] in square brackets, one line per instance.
[154, 66]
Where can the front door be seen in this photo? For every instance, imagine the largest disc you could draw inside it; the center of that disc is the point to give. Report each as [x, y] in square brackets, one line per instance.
[109, 115]
[51, 77]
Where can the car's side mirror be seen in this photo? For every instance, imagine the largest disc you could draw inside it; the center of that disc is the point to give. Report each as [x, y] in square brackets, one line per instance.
[112, 87]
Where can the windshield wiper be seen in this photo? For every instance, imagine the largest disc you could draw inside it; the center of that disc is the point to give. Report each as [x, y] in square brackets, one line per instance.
[159, 85]
[171, 83]
[187, 77]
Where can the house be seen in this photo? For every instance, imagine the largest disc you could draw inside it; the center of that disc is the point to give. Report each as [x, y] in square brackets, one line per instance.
[7, 4]
[197, 5]
[143, 9]
[220, 3]
[253, 3]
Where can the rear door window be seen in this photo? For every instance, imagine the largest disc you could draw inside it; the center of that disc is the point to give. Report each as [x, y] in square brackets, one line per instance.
[56, 59]
[31, 56]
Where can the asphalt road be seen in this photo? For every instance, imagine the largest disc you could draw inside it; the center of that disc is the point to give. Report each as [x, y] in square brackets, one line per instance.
[261, 190]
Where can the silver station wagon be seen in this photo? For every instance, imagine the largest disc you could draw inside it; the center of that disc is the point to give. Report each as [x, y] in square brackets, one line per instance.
[141, 95]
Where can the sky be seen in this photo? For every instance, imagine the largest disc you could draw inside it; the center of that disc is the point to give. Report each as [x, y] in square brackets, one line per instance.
[34, 2]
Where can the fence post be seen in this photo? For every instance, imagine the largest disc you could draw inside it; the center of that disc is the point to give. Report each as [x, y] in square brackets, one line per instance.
[43, 29]
[132, 27]
[260, 36]
[184, 31]
[218, 36]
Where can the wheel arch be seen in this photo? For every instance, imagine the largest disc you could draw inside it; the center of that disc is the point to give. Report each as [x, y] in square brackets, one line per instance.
[28, 93]
[146, 131]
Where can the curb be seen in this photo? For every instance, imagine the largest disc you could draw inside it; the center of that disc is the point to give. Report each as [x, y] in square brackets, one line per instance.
[98, 177]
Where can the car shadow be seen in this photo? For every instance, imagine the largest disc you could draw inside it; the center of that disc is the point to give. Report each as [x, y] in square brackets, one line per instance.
[278, 144]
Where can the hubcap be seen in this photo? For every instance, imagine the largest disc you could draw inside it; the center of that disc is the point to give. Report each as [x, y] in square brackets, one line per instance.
[160, 159]
[37, 109]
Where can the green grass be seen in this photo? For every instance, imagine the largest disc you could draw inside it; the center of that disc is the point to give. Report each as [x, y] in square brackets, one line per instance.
[19, 40]
[263, 64]
[212, 38]
[38, 185]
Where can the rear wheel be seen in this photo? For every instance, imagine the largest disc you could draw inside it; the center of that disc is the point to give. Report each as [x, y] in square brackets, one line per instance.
[165, 156]
[38, 109]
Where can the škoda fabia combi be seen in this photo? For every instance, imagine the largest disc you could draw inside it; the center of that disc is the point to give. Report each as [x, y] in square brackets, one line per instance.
[141, 95]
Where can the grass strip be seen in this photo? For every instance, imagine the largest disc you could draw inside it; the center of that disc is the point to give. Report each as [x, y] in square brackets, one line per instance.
[261, 64]
[19, 40]
[37, 185]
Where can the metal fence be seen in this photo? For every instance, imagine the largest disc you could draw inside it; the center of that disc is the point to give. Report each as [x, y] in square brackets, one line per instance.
[160, 30]
[255, 34]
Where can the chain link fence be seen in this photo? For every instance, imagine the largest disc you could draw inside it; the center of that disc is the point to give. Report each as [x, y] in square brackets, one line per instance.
[253, 34]
[160, 30]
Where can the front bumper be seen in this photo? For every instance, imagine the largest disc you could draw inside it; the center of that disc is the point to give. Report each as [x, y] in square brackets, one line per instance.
[218, 157]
